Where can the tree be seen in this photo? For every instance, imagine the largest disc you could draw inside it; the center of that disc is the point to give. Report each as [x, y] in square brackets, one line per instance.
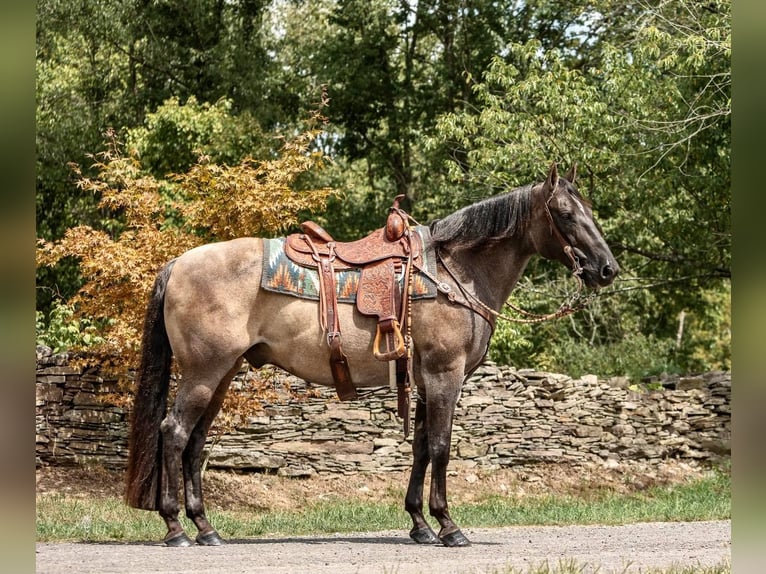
[215, 202]
[445, 101]
[648, 121]
[112, 64]
[391, 69]
[79, 90]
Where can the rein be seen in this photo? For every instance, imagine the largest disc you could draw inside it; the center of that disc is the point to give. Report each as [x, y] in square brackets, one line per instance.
[477, 305]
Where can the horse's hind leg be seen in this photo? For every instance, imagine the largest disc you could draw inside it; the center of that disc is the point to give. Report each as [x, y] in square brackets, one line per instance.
[413, 502]
[192, 463]
[195, 394]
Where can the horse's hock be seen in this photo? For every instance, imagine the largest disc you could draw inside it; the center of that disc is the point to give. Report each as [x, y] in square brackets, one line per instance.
[504, 417]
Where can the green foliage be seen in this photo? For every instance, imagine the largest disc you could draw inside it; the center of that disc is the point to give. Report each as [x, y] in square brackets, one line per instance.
[61, 330]
[444, 101]
[705, 342]
[175, 135]
[635, 356]
[511, 344]
[649, 127]
[80, 89]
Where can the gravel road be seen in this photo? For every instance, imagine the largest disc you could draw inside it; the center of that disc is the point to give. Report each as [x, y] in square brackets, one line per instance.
[627, 548]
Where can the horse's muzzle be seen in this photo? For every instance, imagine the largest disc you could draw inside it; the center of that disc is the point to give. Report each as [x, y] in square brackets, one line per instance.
[608, 273]
[602, 276]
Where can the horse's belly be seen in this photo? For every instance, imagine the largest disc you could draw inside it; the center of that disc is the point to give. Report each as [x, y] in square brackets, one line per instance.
[295, 342]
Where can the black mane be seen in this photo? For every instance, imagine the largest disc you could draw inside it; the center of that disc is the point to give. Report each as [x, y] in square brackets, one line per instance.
[496, 217]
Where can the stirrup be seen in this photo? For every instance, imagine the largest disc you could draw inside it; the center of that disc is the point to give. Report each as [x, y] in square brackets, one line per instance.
[399, 348]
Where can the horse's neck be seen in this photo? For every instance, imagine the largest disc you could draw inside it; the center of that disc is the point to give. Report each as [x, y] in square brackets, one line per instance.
[490, 271]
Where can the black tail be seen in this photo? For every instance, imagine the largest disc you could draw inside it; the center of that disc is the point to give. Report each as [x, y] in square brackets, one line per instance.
[150, 403]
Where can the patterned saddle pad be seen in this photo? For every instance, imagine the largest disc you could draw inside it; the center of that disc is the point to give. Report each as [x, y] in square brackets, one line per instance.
[282, 275]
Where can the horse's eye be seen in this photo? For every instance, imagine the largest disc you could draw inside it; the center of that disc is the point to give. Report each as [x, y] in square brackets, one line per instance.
[566, 215]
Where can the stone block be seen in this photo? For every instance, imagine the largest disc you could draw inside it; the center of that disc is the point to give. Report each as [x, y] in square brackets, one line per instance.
[86, 399]
[538, 432]
[688, 383]
[244, 459]
[588, 431]
[621, 430]
[354, 457]
[343, 412]
[471, 450]
[472, 401]
[382, 441]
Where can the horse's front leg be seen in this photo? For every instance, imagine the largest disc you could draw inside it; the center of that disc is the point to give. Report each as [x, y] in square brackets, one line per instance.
[441, 409]
[413, 502]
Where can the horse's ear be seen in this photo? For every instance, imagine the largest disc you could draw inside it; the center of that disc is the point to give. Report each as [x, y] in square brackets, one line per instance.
[571, 175]
[553, 177]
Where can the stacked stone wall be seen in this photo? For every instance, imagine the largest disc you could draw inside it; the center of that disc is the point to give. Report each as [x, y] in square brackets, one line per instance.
[504, 417]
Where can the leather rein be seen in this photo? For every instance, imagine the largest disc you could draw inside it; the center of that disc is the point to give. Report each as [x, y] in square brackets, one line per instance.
[572, 305]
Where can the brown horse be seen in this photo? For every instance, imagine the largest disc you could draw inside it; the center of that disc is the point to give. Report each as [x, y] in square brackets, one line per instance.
[207, 309]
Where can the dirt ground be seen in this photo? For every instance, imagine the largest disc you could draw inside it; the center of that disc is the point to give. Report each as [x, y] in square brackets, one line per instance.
[602, 549]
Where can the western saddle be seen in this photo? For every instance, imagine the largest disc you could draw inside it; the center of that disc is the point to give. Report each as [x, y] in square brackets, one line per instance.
[382, 256]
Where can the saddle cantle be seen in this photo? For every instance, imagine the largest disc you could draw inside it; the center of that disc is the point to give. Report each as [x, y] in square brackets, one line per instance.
[380, 256]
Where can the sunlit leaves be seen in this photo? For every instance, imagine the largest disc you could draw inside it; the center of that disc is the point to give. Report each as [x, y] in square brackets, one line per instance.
[218, 202]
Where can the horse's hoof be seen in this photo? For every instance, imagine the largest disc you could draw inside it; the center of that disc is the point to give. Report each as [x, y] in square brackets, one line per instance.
[455, 539]
[178, 540]
[424, 535]
[210, 539]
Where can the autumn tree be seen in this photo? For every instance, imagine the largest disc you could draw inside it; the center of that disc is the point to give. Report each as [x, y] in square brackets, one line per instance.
[165, 217]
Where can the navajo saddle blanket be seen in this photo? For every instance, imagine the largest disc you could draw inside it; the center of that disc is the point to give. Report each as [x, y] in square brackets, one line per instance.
[282, 275]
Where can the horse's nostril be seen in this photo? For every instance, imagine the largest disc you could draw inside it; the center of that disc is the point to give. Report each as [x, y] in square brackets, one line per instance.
[607, 271]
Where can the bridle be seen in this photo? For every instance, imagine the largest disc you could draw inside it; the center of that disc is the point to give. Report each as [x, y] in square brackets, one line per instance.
[467, 299]
[565, 245]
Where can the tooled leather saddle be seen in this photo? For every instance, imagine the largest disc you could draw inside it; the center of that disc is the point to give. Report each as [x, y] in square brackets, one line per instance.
[382, 256]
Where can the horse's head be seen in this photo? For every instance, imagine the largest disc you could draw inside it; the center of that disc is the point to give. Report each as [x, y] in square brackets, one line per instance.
[569, 234]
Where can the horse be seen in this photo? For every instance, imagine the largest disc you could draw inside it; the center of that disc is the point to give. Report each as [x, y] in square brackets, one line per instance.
[208, 310]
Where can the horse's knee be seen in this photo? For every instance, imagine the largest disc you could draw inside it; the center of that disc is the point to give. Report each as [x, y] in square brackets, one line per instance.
[413, 500]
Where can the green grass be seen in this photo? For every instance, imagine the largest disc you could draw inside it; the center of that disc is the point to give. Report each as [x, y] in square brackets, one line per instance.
[63, 518]
[706, 499]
